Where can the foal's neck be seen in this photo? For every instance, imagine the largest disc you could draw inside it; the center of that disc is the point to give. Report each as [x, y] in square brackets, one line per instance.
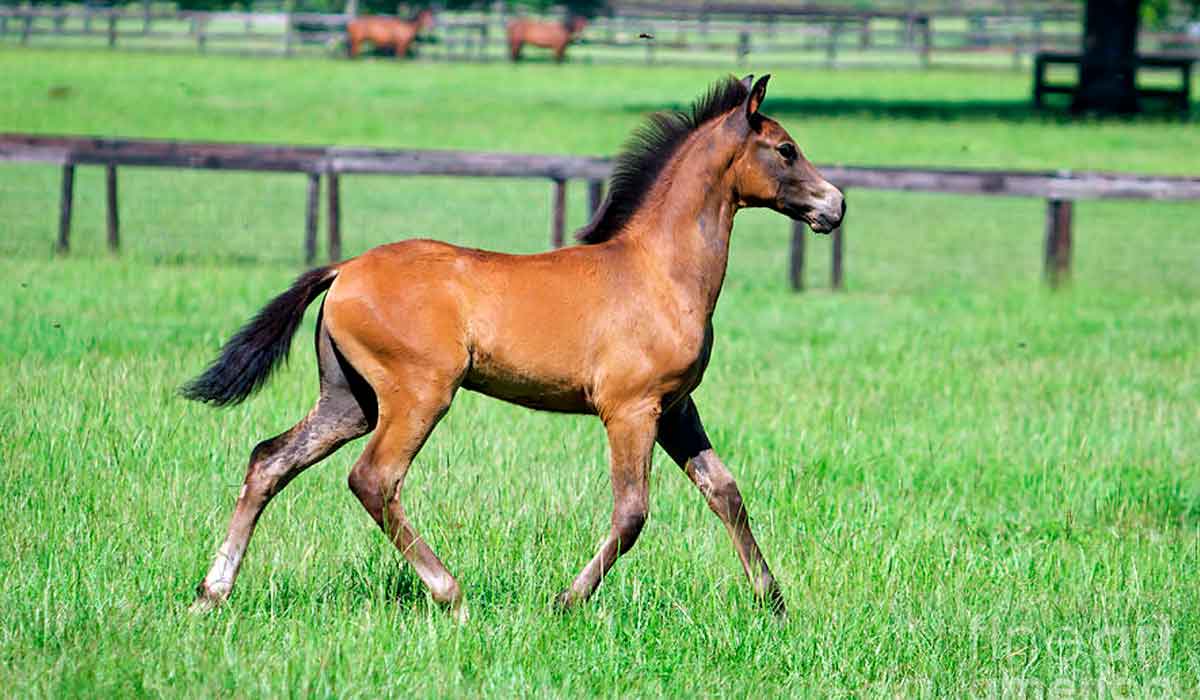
[686, 223]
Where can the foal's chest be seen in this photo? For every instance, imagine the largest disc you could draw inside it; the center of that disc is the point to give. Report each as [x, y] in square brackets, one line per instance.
[686, 357]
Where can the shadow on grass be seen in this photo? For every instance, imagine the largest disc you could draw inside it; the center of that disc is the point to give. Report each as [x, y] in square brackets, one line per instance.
[1016, 111]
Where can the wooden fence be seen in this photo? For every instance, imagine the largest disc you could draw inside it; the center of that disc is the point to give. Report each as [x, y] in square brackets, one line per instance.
[819, 34]
[1059, 189]
[714, 32]
[249, 33]
[710, 32]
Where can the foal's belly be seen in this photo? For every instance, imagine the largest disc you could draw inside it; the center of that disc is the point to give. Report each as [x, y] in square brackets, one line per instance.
[547, 394]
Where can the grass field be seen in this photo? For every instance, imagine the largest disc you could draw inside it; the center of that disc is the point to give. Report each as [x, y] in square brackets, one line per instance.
[966, 484]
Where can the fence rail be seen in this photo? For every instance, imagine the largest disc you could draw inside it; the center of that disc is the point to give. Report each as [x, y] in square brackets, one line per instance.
[1060, 189]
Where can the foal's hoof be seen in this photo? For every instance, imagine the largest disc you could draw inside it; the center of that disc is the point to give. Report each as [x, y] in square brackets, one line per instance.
[774, 602]
[564, 602]
[205, 601]
[202, 605]
[459, 613]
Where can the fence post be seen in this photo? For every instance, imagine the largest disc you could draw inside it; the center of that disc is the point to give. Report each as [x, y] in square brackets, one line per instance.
[335, 219]
[1058, 241]
[27, 29]
[743, 47]
[310, 218]
[835, 31]
[1039, 79]
[287, 47]
[595, 196]
[112, 29]
[559, 223]
[796, 259]
[112, 217]
[926, 41]
[64, 207]
[198, 30]
[836, 275]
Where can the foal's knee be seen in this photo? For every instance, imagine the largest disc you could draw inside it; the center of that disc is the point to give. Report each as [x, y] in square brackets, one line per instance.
[368, 486]
[725, 498]
[628, 524]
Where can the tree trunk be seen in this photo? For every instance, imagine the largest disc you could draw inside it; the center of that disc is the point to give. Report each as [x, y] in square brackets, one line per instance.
[1108, 71]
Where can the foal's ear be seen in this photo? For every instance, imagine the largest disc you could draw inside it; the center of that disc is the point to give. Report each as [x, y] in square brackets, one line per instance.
[757, 93]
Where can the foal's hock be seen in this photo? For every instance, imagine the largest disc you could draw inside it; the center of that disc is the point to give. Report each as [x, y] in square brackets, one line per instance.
[619, 327]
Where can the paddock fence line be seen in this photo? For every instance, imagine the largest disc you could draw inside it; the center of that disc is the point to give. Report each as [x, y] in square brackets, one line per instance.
[686, 34]
[1059, 189]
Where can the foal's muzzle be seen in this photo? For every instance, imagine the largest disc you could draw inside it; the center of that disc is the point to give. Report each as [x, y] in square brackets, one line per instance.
[825, 214]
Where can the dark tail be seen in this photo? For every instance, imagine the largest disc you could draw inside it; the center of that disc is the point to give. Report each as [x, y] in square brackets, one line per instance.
[250, 356]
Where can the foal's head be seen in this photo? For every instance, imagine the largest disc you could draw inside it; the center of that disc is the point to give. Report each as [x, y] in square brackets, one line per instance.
[759, 163]
[770, 171]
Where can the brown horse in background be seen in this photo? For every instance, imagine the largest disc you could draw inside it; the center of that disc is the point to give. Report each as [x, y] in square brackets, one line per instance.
[385, 32]
[548, 35]
[620, 328]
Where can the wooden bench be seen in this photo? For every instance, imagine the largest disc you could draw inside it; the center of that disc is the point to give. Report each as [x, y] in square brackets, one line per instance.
[1180, 98]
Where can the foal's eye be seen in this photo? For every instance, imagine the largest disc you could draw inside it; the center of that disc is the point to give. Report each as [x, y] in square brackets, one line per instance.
[788, 151]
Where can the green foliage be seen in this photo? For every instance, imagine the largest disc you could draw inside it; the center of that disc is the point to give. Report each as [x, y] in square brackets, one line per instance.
[1157, 14]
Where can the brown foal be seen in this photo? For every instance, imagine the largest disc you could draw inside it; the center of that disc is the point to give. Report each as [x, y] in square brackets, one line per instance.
[555, 36]
[620, 327]
[383, 32]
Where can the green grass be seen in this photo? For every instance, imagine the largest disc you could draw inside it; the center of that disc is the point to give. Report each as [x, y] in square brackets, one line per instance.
[965, 483]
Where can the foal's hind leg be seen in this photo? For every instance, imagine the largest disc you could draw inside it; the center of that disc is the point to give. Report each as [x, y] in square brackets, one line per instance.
[681, 434]
[408, 414]
[337, 418]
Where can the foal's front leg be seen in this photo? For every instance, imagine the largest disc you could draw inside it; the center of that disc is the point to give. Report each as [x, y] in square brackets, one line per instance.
[682, 435]
[631, 442]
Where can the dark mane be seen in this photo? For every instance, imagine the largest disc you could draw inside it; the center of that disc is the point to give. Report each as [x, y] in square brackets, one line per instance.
[648, 151]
